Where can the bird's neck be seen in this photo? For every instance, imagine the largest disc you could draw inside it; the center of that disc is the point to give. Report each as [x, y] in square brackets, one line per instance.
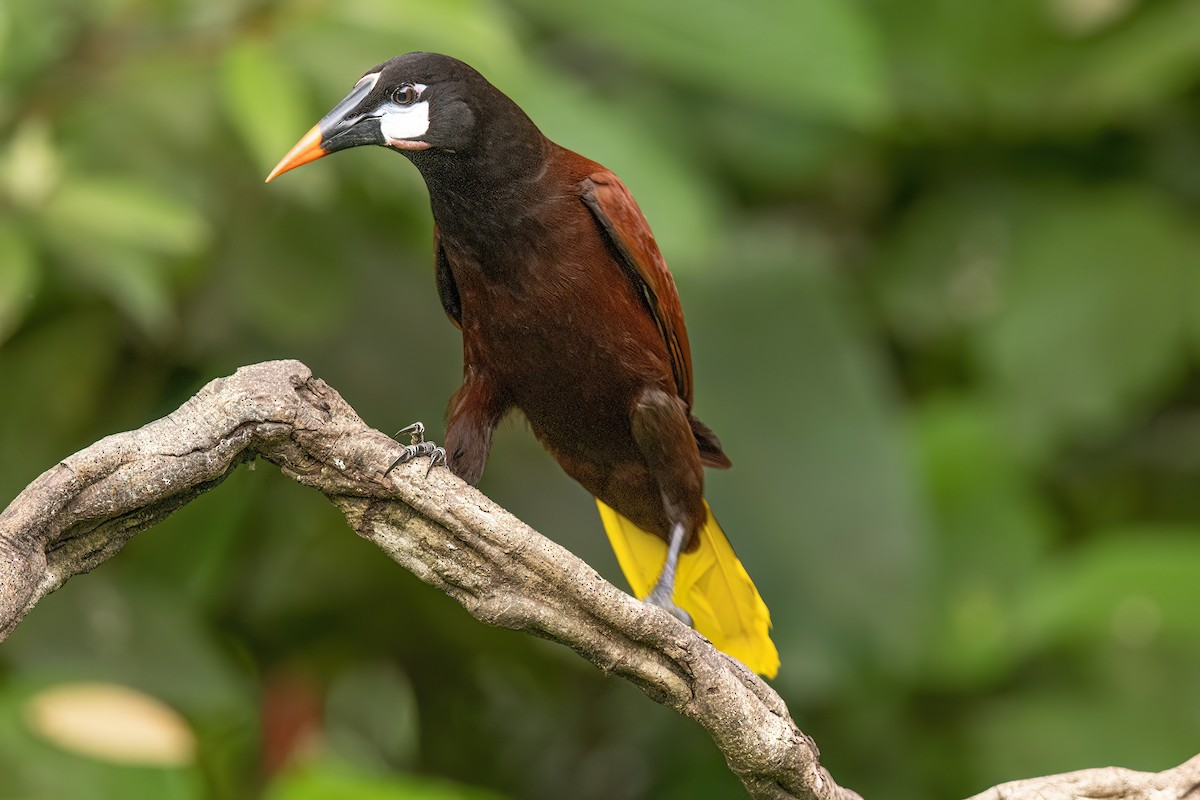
[480, 201]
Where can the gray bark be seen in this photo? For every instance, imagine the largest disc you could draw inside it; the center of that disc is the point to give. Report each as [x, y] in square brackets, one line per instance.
[1107, 783]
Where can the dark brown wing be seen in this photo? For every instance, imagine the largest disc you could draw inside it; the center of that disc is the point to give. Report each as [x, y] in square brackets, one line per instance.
[447, 289]
[629, 235]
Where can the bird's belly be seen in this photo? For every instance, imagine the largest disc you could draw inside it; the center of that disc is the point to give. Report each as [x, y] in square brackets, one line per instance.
[574, 391]
[580, 410]
[575, 370]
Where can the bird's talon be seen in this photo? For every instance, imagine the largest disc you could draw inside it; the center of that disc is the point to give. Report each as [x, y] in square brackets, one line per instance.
[419, 447]
[438, 456]
[416, 431]
[406, 455]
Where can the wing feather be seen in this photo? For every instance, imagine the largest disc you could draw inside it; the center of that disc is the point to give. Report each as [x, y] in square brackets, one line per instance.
[447, 288]
[630, 237]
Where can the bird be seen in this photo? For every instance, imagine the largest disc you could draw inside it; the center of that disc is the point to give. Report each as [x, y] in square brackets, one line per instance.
[569, 315]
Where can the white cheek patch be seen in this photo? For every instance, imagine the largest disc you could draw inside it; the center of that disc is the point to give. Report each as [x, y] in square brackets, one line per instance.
[404, 123]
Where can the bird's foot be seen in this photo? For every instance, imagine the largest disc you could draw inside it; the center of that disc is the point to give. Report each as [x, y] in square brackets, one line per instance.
[418, 447]
[661, 596]
[664, 588]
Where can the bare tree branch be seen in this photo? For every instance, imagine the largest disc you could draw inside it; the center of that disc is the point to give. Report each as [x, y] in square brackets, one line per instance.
[83, 510]
[449, 535]
[1108, 783]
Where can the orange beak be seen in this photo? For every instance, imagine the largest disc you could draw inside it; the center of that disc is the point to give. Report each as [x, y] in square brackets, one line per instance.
[306, 150]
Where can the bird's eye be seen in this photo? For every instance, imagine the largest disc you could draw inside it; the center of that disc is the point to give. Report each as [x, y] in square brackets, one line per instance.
[404, 95]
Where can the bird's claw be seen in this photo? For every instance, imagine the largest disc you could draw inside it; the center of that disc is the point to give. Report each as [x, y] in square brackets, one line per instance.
[416, 431]
[660, 597]
[438, 456]
[419, 447]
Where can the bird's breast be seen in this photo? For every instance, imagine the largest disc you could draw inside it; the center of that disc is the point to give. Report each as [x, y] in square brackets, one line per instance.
[556, 322]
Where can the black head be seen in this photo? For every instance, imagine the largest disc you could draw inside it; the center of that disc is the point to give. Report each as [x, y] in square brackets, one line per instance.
[425, 105]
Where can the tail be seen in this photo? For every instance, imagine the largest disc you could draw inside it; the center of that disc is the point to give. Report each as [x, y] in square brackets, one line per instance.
[711, 584]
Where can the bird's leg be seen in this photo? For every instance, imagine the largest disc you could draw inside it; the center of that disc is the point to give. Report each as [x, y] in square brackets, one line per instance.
[659, 423]
[418, 447]
[475, 411]
[664, 589]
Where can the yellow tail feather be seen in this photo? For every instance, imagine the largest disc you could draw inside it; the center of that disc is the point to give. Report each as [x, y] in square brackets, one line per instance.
[711, 584]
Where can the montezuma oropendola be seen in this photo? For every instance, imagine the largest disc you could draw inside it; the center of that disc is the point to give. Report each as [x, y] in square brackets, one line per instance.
[569, 314]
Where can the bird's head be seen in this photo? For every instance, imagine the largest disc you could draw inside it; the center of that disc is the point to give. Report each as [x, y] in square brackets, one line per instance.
[414, 103]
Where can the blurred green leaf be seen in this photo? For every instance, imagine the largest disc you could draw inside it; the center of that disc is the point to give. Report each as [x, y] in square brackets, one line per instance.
[993, 530]
[134, 281]
[1093, 310]
[263, 100]
[138, 634]
[1128, 587]
[294, 291]
[1074, 301]
[1080, 715]
[1084, 17]
[19, 277]
[200, 566]
[5, 27]
[50, 377]
[42, 41]
[1135, 68]
[938, 273]
[372, 717]
[482, 33]
[120, 237]
[329, 780]
[955, 64]
[126, 212]
[964, 66]
[174, 114]
[819, 57]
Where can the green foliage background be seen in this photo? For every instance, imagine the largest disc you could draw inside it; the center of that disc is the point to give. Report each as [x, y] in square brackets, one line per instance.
[939, 265]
